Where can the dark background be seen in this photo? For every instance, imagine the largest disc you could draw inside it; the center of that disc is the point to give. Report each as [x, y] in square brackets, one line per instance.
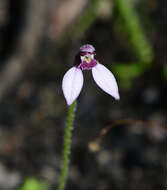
[38, 43]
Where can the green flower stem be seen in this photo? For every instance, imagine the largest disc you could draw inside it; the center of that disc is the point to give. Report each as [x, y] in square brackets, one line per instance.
[67, 146]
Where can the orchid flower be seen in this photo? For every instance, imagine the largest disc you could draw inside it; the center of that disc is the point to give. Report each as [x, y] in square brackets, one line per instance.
[73, 78]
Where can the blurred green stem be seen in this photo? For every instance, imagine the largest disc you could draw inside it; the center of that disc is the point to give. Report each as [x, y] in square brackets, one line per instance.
[67, 146]
[83, 23]
[86, 20]
[131, 25]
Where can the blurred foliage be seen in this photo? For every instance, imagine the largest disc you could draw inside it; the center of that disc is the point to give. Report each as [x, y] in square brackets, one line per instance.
[165, 72]
[128, 24]
[33, 184]
[83, 23]
[86, 20]
[126, 73]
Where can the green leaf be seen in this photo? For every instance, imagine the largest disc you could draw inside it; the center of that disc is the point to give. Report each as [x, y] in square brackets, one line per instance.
[33, 184]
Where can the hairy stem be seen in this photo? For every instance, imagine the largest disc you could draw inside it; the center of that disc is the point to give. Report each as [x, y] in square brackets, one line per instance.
[67, 147]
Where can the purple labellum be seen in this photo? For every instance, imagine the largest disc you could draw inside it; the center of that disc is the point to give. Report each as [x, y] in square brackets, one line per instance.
[88, 65]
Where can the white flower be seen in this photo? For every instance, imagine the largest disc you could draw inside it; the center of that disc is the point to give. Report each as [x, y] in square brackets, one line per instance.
[73, 78]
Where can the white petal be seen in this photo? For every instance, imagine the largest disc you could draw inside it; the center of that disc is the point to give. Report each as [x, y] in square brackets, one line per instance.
[72, 84]
[105, 80]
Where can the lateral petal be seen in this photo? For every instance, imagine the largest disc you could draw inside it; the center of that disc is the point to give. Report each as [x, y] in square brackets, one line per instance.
[105, 80]
[72, 84]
